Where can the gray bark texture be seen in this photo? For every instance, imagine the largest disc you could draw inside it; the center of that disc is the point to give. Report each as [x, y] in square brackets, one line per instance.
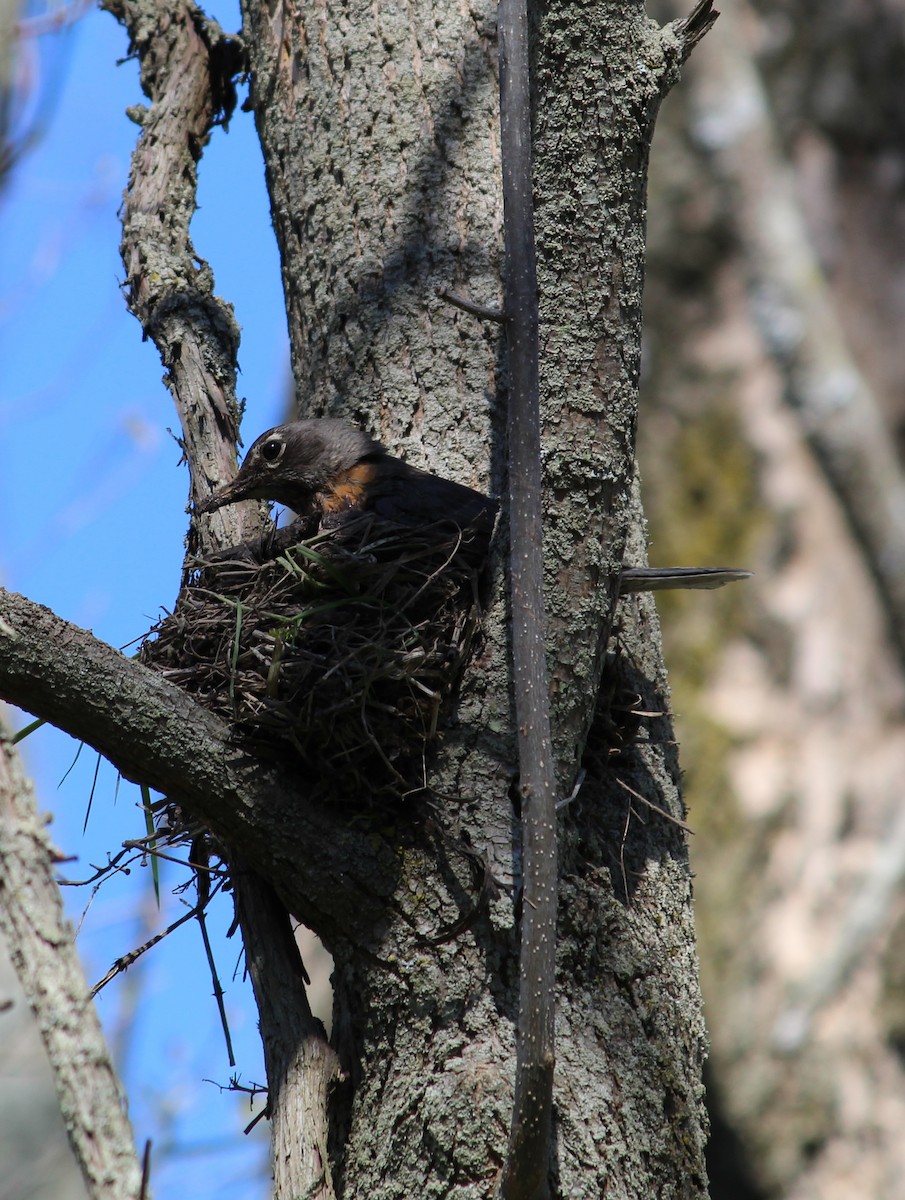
[379, 129]
[379, 126]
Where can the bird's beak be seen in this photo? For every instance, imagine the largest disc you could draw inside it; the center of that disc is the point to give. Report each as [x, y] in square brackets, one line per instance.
[230, 493]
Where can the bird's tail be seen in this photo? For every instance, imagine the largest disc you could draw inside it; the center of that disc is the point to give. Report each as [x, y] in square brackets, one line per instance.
[659, 579]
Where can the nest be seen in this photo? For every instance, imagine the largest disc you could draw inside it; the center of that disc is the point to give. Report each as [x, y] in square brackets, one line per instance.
[338, 649]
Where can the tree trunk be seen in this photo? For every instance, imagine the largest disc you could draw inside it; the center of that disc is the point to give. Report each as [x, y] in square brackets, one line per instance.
[380, 135]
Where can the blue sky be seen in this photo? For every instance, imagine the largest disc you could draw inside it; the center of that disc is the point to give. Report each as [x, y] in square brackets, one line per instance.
[92, 510]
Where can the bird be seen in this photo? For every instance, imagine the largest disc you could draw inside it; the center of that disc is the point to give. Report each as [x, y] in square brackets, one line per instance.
[331, 469]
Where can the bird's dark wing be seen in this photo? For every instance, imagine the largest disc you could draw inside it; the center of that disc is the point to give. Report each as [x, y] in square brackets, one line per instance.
[407, 496]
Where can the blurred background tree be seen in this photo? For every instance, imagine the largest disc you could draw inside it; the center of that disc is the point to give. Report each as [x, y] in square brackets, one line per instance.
[771, 434]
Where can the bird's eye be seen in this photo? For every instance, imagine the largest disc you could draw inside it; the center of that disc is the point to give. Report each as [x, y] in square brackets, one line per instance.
[272, 450]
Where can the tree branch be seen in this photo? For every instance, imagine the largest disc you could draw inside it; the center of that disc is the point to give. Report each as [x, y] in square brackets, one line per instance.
[184, 58]
[187, 65]
[301, 1064]
[154, 732]
[528, 1158]
[43, 952]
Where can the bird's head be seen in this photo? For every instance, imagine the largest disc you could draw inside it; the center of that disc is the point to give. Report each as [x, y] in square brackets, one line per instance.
[291, 463]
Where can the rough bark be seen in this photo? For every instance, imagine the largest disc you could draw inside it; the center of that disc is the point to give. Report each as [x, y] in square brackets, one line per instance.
[42, 948]
[379, 132]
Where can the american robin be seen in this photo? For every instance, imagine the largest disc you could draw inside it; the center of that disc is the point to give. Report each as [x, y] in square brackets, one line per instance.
[329, 469]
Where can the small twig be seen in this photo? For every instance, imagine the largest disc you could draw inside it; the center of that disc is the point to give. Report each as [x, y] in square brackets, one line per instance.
[265, 1112]
[579, 780]
[97, 767]
[218, 988]
[180, 862]
[622, 841]
[251, 1091]
[145, 1170]
[100, 872]
[695, 26]
[126, 961]
[476, 310]
[200, 853]
[482, 878]
[655, 807]
[27, 730]
[85, 910]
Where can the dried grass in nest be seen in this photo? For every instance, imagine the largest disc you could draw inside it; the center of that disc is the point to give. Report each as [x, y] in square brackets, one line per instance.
[338, 649]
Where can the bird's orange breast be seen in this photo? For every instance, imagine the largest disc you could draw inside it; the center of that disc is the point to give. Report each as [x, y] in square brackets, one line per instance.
[349, 489]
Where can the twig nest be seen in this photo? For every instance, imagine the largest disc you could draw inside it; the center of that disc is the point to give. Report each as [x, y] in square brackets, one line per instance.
[339, 648]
